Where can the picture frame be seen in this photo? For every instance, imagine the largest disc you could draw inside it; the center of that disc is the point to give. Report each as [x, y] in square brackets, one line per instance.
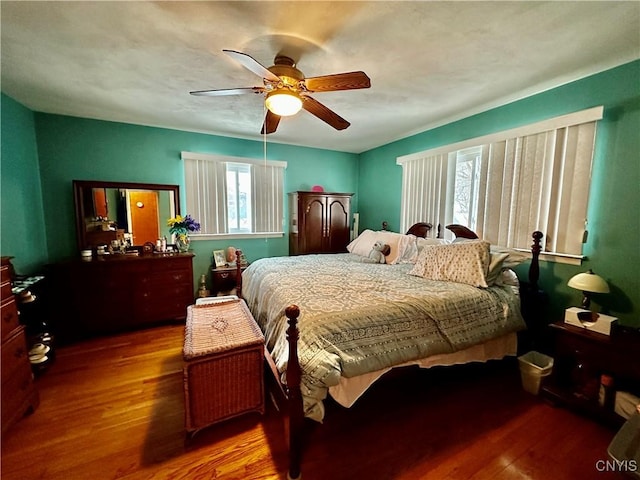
[219, 258]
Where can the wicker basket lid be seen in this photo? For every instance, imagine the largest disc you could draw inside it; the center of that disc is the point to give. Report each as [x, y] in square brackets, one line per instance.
[219, 327]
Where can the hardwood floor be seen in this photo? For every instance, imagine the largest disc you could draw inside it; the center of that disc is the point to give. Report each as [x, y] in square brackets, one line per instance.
[113, 408]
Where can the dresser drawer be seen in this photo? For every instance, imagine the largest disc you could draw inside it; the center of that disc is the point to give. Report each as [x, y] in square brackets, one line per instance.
[14, 354]
[5, 290]
[171, 277]
[4, 274]
[18, 395]
[9, 320]
[176, 263]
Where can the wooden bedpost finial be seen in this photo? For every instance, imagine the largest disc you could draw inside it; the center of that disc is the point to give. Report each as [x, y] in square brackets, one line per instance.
[238, 274]
[292, 311]
[534, 269]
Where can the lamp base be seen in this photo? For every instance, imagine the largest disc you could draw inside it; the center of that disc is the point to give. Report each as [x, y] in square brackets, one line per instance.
[600, 323]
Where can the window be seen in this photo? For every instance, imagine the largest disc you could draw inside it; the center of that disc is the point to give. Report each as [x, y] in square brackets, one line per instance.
[239, 197]
[234, 196]
[506, 185]
[466, 183]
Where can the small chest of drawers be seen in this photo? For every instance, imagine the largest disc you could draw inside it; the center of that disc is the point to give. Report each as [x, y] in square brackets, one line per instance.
[19, 394]
[224, 279]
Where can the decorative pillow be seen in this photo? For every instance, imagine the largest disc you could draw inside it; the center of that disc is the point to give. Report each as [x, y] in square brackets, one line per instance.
[465, 262]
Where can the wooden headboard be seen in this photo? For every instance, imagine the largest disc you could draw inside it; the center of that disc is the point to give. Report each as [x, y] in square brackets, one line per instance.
[460, 231]
[420, 229]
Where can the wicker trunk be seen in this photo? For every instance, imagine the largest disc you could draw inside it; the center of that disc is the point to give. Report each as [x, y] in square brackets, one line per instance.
[223, 364]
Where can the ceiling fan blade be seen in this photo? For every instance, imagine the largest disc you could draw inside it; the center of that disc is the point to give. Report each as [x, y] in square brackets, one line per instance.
[228, 91]
[250, 63]
[339, 81]
[323, 113]
[271, 121]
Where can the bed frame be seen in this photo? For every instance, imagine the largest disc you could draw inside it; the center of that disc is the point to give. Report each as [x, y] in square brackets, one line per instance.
[290, 395]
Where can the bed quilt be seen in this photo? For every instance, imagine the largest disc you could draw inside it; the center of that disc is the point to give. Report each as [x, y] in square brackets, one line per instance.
[359, 317]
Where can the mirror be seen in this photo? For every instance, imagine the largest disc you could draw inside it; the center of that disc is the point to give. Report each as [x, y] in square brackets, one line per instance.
[128, 213]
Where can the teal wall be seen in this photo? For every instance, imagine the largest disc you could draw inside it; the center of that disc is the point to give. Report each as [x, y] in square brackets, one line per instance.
[51, 150]
[73, 148]
[613, 249]
[22, 231]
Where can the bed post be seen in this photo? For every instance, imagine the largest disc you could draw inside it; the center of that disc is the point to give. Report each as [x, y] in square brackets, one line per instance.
[534, 302]
[534, 269]
[238, 274]
[296, 412]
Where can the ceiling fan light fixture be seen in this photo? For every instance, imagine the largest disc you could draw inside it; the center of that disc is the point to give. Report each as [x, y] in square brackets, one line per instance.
[283, 102]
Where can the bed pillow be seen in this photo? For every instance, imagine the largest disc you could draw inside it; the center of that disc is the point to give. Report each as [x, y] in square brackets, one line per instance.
[399, 244]
[514, 257]
[415, 246]
[465, 262]
[508, 278]
[362, 244]
[496, 265]
[423, 242]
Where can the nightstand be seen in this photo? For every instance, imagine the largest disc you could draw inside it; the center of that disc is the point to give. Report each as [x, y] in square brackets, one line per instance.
[223, 279]
[580, 358]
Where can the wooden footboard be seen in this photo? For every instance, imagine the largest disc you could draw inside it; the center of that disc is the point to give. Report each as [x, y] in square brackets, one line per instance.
[292, 389]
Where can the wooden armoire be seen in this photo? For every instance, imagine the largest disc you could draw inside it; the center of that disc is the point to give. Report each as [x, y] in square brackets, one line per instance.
[320, 222]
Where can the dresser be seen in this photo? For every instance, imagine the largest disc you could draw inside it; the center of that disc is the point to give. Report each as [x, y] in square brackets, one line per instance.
[116, 293]
[19, 394]
[319, 222]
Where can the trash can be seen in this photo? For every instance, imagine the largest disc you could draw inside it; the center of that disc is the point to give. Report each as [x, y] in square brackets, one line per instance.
[533, 367]
[624, 449]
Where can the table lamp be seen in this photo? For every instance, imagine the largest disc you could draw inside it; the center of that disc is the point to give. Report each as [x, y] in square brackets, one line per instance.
[589, 283]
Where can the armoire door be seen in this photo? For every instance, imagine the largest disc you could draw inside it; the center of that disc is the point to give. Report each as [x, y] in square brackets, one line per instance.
[337, 231]
[312, 228]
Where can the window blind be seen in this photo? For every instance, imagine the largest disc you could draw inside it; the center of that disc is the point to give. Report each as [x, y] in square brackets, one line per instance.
[206, 192]
[535, 177]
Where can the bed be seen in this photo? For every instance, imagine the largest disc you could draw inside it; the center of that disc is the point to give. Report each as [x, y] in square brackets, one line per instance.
[335, 323]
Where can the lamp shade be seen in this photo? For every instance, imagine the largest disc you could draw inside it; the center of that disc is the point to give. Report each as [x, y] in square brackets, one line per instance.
[283, 102]
[589, 282]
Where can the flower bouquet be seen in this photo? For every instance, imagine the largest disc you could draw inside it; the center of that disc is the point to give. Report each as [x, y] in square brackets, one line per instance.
[181, 227]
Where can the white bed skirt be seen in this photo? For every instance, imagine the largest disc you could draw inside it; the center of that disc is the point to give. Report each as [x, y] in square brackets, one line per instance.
[350, 389]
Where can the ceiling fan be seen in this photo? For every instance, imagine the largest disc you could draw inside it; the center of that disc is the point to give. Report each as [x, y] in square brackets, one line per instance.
[287, 90]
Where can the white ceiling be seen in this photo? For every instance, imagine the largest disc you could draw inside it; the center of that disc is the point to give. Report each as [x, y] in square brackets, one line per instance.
[429, 62]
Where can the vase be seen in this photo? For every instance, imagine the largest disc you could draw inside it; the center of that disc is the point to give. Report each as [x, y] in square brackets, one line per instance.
[182, 243]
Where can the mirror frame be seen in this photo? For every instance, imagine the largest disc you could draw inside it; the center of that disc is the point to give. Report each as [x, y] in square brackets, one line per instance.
[79, 186]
